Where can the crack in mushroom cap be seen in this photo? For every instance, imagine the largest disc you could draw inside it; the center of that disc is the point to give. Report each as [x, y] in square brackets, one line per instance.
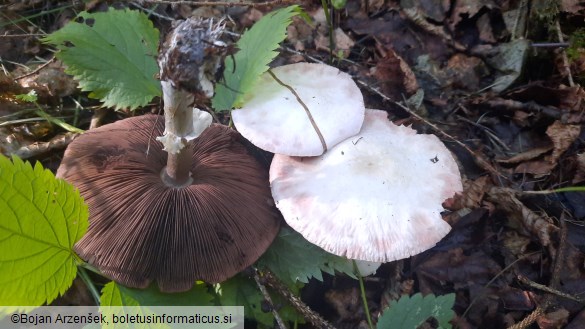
[275, 121]
[142, 230]
[376, 196]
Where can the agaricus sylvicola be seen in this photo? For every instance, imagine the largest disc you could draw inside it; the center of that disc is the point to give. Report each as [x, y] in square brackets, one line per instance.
[202, 212]
[375, 196]
[301, 109]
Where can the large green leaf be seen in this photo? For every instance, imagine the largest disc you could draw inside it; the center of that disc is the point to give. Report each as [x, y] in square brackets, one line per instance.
[292, 258]
[41, 218]
[257, 48]
[411, 312]
[114, 294]
[112, 54]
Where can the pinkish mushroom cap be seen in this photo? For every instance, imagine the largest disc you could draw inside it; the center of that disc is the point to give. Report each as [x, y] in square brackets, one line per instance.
[376, 196]
[273, 119]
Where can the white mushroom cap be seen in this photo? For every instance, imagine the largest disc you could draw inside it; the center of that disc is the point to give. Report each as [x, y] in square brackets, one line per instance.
[376, 196]
[274, 120]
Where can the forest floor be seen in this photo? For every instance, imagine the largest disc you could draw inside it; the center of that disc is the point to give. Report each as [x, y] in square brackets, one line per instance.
[498, 81]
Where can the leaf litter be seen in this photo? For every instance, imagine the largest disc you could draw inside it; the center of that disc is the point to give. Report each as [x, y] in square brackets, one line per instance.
[481, 78]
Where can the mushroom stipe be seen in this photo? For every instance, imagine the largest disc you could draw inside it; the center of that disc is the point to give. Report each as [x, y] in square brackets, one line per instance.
[143, 231]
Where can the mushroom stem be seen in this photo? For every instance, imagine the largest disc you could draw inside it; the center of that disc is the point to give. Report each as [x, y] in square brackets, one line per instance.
[188, 60]
[178, 126]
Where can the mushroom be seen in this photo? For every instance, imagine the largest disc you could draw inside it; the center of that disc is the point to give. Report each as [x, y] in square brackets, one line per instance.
[204, 212]
[375, 196]
[365, 268]
[301, 109]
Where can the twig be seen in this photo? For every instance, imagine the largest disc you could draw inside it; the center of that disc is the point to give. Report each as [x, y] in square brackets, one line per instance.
[36, 70]
[550, 44]
[550, 290]
[554, 282]
[223, 3]
[22, 35]
[271, 281]
[266, 295]
[38, 148]
[531, 106]
[521, 11]
[307, 111]
[151, 11]
[566, 64]
[527, 321]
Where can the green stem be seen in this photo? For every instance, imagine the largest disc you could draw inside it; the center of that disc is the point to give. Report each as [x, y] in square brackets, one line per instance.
[89, 283]
[363, 293]
[328, 14]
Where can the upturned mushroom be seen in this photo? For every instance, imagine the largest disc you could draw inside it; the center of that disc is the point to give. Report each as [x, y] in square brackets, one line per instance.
[301, 109]
[375, 196]
[202, 212]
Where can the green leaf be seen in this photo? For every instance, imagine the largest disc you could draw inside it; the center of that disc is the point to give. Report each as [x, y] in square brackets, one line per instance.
[411, 312]
[114, 294]
[41, 219]
[112, 54]
[257, 48]
[29, 97]
[292, 258]
[240, 290]
[338, 4]
[59, 122]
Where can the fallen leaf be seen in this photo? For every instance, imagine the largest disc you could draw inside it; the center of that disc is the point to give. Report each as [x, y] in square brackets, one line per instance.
[537, 168]
[394, 76]
[553, 320]
[507, 59]
[562, 136]
[541, 226]
[473, 193]
[343, 43]
[526, 156]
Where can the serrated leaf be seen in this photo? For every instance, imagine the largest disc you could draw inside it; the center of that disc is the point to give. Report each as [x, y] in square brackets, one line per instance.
[239, 291]
[41, 218]
[411, 312]
[257, 48]
[112, 54]
[114, 294]
[292, 258]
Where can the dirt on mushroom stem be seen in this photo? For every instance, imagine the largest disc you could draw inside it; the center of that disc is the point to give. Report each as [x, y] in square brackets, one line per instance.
[189, 60]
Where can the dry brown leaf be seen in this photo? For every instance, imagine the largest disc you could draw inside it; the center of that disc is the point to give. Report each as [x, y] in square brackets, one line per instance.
[465, 72]
[472, 195]
[562, 136]
[343, 43]
[572, 6]
[394, 76]
[553, 320]
[537, 168]
[526, 156]
[515, 243]
[484, 25]
[506, 199]
[347, 303]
